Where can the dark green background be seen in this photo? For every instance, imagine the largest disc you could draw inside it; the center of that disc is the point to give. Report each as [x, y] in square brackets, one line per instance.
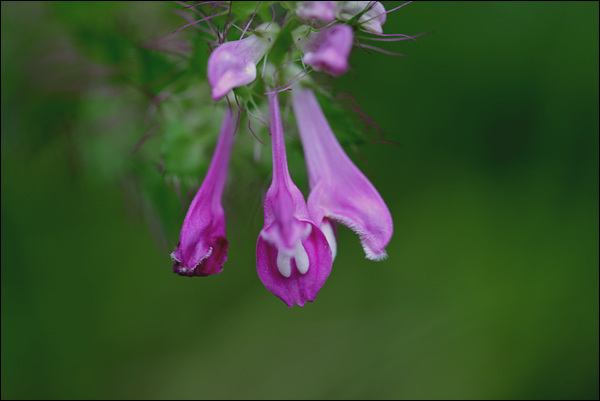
[491, 285]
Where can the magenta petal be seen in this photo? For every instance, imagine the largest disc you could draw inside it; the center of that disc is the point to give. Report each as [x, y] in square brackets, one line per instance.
[233, 64]
[339, 190]
[329, 49]
[317, 10]
[211, 258]
[292, 254]
[297, 288]
[202, 247]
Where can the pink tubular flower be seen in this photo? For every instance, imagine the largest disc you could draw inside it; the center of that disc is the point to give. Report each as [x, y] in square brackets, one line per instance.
[329, 49]
[317, 10]
[371, 21]
[339, 190]
[292, 254]
[202, 247]
[233, 64]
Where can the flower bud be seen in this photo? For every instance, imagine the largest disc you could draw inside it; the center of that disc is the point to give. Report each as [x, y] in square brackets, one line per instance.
[329, 49]
[233, 64]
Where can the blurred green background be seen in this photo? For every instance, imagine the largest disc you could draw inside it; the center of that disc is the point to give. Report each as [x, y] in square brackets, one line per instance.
[491, 285]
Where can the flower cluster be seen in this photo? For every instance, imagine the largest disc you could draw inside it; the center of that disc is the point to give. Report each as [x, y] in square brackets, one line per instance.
[297, 245]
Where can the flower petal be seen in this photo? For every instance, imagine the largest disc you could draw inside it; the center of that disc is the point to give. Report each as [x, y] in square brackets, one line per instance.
[293, 256]
[339, 190]
[303, 283]
[233, 64]
[329, 49]
[317, 10]
[202, 247]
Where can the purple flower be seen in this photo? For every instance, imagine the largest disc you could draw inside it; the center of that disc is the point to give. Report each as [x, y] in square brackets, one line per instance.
[329, 49]
[317, 10]
[292, 254]
[233, 64]
[339, 190]
[202, 247]
[371, 21]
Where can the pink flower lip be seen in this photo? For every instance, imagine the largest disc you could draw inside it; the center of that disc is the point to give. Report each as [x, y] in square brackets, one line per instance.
[209, 262]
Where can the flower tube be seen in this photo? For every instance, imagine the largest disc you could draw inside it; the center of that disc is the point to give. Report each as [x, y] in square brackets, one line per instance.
[293, 256]
[202, 247]
[339, 190]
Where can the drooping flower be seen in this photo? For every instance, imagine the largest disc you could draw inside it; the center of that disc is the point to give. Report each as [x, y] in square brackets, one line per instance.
[292, 254]
[202, 247]
[233, 64]
[297, 245]
[329, 49]
[317, 10]
[371, 20]
[339, 190]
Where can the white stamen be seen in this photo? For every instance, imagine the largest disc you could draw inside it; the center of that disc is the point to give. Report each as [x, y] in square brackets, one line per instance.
[284, 264]
[284, 260]
[301, 258]
[327, 229]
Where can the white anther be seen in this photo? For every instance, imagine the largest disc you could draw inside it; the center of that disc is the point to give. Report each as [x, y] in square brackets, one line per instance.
[284, 263]
[284, 260]
[301, 258]
[327, 229]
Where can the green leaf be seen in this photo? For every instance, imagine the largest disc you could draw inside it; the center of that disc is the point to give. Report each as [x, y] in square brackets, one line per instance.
[243, 10]
[183, 153]
[346, 124]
